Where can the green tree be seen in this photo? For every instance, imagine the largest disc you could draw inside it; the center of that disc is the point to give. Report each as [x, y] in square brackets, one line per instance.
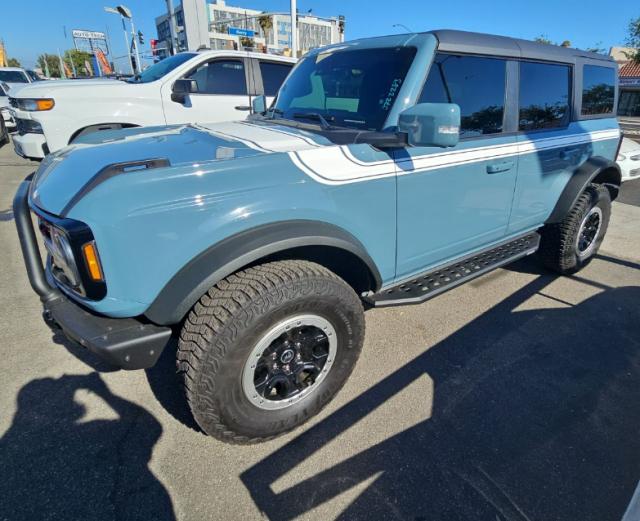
[13, 62]
[633, 39]
[77, 58]
[543, 38]
[52, 62]
[266, 24]
[247, 42]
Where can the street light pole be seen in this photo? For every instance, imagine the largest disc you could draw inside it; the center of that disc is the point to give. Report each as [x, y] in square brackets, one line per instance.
[294, 28]
[126, 37]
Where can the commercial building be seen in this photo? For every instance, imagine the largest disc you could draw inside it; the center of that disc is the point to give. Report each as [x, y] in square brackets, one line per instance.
[216, 25]
[629, 83]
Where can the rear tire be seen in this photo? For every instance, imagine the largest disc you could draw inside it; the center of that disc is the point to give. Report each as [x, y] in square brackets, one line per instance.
[568, 246]
[299, 323]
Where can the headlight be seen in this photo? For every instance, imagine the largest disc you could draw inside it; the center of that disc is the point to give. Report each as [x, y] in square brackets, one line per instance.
[620, 157]
[32, 104]
[74, 259]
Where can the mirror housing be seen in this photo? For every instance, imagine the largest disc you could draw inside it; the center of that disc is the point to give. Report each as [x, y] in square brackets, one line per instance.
[431, 124]
[181, 88]
[259, 104]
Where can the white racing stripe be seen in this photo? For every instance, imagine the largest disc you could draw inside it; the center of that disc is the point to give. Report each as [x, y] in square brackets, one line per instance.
[260, 138]
[336, 165]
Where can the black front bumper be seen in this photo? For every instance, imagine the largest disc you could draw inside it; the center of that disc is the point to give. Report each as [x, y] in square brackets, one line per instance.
[128, 343]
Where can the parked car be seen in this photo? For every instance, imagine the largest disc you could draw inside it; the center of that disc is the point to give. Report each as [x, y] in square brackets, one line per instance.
[629, 159]
[387, 171]
[5, 112]
[17, 77]
[190, 87]
[4, 133]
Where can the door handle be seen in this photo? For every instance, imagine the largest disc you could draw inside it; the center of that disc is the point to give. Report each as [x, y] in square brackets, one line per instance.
[242, 107]
[569, 153]
[496, 168]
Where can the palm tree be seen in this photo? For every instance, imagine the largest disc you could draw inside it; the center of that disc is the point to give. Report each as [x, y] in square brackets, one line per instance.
[266, 24]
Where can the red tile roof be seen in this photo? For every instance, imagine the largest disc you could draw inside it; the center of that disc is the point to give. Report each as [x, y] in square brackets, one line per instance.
[630, 70]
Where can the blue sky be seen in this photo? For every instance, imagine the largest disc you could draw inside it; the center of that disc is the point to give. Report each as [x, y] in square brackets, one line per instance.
[30, 27]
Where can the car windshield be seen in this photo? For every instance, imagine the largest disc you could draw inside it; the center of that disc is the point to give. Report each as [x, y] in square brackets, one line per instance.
[157, 71]
[13, 77]
[347, 88]
[34, 76]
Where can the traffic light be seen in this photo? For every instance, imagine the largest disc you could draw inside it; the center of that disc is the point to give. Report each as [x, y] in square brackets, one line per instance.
[140, 37]
[154, 45]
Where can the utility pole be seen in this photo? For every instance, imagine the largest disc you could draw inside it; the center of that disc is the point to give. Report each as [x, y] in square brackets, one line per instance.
[172, 28]
[294, 28]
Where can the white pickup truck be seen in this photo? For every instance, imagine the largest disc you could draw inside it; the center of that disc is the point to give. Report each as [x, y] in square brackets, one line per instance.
[204, 86]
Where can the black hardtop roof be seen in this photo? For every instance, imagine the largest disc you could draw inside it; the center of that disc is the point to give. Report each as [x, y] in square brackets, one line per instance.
[489, 44]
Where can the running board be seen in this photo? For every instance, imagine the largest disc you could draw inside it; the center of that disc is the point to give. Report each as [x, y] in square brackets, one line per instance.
[443, 278]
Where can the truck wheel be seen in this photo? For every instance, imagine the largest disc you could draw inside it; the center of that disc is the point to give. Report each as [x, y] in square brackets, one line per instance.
[267, 348]
[568, 246]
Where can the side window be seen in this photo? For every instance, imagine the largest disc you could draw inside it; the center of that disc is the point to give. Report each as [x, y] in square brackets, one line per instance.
[476, 84]
[273, 74]
[598, 90]
[544, 95]
[220, 77]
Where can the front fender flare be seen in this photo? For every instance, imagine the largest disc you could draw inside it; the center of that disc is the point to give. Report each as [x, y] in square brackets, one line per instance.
[608, 172]
[233, 253]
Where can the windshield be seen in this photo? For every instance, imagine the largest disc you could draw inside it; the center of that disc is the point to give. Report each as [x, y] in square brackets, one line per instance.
[348, 88]
[13, 77]
[157, 71]
[34, 76]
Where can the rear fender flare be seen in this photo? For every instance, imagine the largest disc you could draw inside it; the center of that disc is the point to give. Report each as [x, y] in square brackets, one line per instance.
[597, 169]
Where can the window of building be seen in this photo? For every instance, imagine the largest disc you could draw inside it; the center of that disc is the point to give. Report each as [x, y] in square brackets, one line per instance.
[220, 77]
[273, 74]
[629, 104]
[476, 84]
[598, 90]
[544, 95]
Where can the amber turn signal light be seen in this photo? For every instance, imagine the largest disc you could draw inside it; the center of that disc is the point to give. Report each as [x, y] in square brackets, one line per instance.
[92, 260]
[44, 104]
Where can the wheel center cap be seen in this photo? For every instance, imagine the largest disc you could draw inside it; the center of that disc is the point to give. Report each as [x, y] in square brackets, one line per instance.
[287, 356]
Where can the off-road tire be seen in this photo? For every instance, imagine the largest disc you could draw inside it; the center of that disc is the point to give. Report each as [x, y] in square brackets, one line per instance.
[224, 326]
[558, 250]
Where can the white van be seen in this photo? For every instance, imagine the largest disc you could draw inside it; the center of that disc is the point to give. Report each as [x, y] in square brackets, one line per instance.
[204, 86]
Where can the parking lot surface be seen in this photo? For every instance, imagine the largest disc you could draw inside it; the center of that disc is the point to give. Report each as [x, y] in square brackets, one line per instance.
[514, 397]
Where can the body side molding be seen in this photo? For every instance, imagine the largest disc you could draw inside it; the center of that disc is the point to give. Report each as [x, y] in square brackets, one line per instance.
[581, 178]
[235, 252]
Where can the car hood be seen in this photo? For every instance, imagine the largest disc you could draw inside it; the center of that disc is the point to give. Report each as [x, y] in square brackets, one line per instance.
[65, 173]
[52, 87]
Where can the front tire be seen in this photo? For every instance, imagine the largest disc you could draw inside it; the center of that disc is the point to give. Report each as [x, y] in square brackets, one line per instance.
[568, 246]
[267, 348]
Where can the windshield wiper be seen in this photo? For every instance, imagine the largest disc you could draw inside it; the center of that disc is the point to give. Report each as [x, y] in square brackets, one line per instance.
[317, 116]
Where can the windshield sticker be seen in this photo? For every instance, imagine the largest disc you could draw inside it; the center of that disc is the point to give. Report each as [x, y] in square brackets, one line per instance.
[393, 90]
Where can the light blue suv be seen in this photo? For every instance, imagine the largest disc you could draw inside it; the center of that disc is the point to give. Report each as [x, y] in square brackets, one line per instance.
[387, 171]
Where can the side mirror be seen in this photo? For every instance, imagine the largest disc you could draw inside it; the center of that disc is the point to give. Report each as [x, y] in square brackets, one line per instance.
[181, 88]
[259, 105]
[431, 124]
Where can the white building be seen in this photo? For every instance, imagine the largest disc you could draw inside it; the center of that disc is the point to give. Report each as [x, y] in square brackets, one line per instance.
[217, 25]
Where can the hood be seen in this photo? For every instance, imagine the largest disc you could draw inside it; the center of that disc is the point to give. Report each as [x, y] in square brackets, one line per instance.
[47, 87]
[64, 173]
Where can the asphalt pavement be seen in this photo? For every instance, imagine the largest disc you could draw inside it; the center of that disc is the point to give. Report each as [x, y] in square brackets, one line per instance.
[511, 398]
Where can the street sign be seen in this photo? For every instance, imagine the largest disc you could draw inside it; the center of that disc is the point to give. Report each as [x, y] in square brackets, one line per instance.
[238, 31]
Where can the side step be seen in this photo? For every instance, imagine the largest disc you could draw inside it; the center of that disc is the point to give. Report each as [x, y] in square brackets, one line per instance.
[443, 278]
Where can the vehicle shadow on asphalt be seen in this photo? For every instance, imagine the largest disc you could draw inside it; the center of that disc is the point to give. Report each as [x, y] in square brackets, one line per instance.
[535, 416]
[60, 463]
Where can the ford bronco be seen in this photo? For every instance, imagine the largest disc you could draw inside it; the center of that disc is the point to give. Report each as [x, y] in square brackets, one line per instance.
[387, 171]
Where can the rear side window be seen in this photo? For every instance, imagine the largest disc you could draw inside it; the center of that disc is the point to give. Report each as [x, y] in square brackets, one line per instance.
[476, 84]
[220, 77]
[544, 95]
[598, 90]
[273, 74]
